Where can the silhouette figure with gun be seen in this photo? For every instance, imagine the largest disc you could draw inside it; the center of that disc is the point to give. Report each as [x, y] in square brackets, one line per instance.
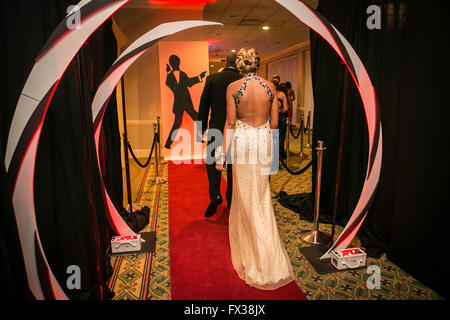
[179, 83]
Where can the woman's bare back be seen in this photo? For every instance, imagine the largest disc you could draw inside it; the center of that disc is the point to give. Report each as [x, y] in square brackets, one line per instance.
[255, 104]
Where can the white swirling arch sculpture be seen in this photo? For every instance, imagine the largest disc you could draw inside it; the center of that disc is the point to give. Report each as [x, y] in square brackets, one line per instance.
[50, 66]
[356, 68]
[25, 131]
[367, 92]
[110, 80]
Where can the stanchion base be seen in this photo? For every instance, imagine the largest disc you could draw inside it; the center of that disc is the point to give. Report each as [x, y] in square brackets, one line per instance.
[302, 156]
[315, 237]
[313, 255]
[161, 180]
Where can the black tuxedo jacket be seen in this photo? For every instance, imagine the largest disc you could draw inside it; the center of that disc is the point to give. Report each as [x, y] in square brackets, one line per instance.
[182, 96]
[214, 98]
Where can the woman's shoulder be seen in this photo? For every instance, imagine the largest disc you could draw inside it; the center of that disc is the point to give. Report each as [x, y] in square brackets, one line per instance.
[270, 84]
[235, 85]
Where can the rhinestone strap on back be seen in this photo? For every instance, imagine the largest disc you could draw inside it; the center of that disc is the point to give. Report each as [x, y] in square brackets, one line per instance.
[242, 89]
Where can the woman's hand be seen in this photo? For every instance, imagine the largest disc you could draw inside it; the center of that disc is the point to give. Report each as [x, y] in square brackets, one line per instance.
[220, 164]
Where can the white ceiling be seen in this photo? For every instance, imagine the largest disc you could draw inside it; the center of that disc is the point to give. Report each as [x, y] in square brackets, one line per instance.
[243, 21]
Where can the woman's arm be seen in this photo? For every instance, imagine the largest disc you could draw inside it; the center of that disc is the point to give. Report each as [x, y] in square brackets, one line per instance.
[274, 109]
[228, 129]
[285, 102]
[288, 97]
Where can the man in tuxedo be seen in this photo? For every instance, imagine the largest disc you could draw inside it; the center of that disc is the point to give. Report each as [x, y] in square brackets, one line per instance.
[179, 82]
[214, 100]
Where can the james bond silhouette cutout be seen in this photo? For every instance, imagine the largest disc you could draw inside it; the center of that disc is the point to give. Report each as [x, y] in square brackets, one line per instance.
[179, 82]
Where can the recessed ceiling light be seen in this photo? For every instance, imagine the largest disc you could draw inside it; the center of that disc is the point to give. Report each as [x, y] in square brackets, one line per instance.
[266, 28]
[233, 50]
[212, 66]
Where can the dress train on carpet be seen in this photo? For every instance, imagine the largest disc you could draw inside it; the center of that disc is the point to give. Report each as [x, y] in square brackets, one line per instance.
[257, 253]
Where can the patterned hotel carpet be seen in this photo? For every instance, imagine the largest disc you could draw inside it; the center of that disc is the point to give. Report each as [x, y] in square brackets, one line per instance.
[148, 277]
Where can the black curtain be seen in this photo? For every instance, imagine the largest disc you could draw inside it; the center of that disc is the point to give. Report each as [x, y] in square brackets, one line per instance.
[69, 203]
[408, 62]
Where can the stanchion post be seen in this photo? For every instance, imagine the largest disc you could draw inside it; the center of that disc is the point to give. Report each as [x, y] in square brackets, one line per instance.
[160, 161]
[316, 236]
[125, 147]
[301, 138]
[287, 139]
[155, 130]
[159, 179]
[308, 132]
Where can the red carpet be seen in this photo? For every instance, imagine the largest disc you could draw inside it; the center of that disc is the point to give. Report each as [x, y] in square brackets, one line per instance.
[200, 261]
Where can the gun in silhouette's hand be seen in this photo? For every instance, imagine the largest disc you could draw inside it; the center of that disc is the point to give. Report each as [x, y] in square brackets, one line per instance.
[202, 75]
[167, 68]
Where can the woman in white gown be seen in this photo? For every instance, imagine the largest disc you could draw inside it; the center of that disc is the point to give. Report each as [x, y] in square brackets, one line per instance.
[257, 253]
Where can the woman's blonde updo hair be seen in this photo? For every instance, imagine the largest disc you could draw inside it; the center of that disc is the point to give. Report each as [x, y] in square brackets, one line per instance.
[247, 60]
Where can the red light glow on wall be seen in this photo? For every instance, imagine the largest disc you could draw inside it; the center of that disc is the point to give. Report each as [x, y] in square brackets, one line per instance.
[181, 2]
[212, 42]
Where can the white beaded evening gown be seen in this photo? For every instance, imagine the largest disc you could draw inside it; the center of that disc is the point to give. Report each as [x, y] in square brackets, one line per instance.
[257, 253]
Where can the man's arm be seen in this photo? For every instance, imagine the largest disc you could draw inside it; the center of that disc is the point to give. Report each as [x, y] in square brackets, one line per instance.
[205, 105]
[228, 130]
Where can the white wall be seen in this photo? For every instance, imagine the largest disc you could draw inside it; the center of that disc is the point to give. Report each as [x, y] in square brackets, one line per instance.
[308, 98]
[298, 73]
[287, 69]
